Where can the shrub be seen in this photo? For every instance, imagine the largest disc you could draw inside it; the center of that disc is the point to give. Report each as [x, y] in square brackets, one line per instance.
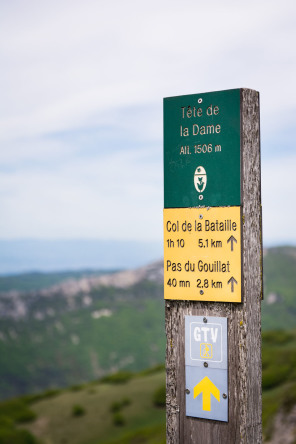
[118, 419]
[274, 375]
[27, 415]
[17, 410]
[77, 387]
[125, 402]
[118, 405]
[50, 393]
[277, 337]
[289, 399]
[6, 422]
[115, 407]
[78, 410]
[12, 436]
[118, 378]
[159, 397]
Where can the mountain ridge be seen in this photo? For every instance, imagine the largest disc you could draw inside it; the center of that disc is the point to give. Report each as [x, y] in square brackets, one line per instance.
[81, 329]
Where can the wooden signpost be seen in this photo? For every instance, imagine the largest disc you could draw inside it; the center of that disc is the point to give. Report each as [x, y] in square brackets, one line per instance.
[213, 267]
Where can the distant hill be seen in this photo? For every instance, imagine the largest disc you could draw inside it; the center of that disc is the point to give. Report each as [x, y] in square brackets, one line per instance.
[38, 280]
[61, 329]
[279, 305]
[80, 329]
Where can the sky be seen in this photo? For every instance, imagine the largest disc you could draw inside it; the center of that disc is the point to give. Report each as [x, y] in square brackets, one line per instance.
[82, 87]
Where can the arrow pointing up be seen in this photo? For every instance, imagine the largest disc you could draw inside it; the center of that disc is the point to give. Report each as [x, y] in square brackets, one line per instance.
[232, 239]
[207, 388]
[232, 281]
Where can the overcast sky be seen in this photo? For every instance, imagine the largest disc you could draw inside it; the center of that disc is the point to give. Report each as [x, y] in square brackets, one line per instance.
[82, 84]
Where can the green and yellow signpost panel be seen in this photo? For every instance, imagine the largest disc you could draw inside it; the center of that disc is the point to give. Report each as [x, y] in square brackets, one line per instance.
[202, 197]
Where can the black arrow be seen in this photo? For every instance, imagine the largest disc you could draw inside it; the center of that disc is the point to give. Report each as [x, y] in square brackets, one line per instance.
[232, 281]
[232, 239]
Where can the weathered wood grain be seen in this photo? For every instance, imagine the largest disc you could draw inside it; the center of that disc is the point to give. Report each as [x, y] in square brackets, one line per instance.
[244, 319]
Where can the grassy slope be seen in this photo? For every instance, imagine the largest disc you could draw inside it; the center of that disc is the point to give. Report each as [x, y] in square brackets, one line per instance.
[57, 425]
[144, 422]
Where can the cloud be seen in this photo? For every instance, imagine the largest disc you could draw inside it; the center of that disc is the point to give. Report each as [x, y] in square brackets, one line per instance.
[104, 198]
[81, 114]
[278, 191]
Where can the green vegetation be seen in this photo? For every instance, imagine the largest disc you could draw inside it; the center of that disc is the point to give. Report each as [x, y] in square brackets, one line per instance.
[105, 336]
[117, 378]
[114, 412]
[13, 413]
[118, 419]
[278, 359]
[116, 409]
[278, 375]
[78, 410]
[145, 435]
[106, 330]
[30, 360]
[17, 410]
[133, 410]
[279, 305]
[12, 436]
[118, 405]
[159, 396]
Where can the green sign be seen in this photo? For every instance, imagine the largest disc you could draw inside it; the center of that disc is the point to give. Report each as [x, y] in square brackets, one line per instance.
[202, 150]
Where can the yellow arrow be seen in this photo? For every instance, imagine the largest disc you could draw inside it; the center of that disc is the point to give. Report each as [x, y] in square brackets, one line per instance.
[206, 387]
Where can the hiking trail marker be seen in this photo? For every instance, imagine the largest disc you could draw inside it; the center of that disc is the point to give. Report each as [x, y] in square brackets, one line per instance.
[206, 367]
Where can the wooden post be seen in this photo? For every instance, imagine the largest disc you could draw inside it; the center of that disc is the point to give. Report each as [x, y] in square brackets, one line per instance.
[244, 318]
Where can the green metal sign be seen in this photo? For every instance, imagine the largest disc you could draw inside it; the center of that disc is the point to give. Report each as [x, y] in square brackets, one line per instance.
[202, 150]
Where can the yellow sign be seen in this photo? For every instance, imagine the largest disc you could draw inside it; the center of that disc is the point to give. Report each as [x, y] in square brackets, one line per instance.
[202, 254]
[207, 388]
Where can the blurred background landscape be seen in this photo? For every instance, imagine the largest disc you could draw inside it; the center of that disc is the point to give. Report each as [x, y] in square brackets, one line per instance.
[82, 343]
[83, 352]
